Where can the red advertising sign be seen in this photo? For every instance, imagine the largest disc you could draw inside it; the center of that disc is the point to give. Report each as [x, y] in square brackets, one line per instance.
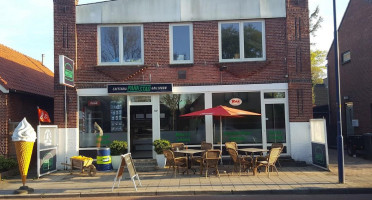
[235, 101]
[94, 103]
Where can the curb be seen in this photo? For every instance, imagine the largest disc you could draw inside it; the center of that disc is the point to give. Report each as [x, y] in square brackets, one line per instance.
[196, 193]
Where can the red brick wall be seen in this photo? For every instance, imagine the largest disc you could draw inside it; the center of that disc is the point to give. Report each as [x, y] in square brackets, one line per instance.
[298, 61]
[64, 44]
[14, 107]
[4, 137]
[287, 53]
[355, 34]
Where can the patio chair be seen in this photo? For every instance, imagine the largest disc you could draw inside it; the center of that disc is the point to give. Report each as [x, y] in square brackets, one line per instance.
[173, 162]
[178, 146]
[240, 161]
[278, 145]
[231, 145]
[274, 145]
[273, 156]
[196, 160]
[210, 161]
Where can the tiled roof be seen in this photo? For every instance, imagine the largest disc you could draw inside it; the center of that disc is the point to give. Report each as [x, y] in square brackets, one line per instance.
[22, 73]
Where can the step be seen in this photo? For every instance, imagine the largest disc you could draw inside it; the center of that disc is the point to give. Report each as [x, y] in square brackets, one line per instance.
[145, 165]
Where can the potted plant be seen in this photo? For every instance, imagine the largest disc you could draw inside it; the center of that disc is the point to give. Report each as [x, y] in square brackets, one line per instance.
[159, 146]
[117, 148]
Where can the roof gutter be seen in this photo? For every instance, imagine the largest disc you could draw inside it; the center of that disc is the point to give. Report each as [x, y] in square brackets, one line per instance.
[3, 89]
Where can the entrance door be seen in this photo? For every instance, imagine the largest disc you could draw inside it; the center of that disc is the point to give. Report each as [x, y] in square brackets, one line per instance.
[349, 118]
[141, 131]
[275, 123]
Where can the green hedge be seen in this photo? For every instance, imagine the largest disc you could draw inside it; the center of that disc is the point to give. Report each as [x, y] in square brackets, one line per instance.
[7, 164]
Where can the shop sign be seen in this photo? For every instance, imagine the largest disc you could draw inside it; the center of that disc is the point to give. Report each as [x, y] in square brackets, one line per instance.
[94, 103]
[144, 88]
[66, 71]
[235, 101]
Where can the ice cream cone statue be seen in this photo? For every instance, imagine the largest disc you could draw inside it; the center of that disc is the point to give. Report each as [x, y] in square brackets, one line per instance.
[24, 137]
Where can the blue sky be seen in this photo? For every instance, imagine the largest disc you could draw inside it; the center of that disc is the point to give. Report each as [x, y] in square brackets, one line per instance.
[27, 25]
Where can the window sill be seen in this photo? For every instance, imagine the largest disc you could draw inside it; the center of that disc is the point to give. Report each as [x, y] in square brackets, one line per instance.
[119, 65]
[242, 60]
[181, 64]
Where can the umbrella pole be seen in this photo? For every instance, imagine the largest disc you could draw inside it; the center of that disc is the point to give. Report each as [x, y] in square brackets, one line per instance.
[221, 137]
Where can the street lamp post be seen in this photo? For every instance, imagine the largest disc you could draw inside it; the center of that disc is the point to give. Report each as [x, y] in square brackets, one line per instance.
[340, 142]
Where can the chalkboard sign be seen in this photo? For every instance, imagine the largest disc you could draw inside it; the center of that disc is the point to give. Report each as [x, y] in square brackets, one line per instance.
[126, 160]
[319, 154]
[48, 161]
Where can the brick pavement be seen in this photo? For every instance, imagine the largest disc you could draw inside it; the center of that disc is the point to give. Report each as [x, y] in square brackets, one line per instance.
[302, 180]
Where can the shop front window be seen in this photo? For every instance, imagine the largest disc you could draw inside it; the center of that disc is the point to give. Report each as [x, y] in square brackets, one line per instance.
[109, 113]
[190, 131]
[244, 129]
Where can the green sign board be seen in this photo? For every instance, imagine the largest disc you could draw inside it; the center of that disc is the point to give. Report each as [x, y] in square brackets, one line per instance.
[66, 71]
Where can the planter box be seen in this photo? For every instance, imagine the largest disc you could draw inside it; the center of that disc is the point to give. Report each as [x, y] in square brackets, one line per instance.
[160, 159]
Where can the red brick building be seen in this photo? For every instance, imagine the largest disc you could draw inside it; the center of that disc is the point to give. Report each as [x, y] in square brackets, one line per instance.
[141, 64]
[355, 64]
[25, 83]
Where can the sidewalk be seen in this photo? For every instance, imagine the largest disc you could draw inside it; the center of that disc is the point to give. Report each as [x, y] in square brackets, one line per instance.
[300, 180]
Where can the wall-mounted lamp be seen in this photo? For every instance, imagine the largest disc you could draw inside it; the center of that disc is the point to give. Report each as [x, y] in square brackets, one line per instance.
[222, 68]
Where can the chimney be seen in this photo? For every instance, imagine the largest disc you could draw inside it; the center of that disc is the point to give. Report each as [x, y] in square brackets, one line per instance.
[42, 59]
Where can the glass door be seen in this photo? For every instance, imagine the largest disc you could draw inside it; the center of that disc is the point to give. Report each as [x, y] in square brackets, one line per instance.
[275, 123]
[141, 131]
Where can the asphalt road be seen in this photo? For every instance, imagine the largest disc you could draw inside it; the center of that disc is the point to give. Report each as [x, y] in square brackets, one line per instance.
[236, 197]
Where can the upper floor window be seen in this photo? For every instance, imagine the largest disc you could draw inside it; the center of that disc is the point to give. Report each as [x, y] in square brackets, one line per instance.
[120, 45]
[242, 41]
[181, 43]
[346, 57]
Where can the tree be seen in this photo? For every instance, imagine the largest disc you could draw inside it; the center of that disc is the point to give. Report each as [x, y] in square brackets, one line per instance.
[315, 21]
[317, 68]
[317, 57]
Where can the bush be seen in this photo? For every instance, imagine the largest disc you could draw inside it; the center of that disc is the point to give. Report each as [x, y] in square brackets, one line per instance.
[7, 164]
[161, 145]
[118, 147]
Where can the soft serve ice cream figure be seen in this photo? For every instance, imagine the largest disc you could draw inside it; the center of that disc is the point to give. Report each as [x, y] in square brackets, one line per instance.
[24, 137]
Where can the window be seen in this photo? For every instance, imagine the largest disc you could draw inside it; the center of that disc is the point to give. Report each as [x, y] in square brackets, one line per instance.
[120, 45]
[181, 47]
[346, 57]
[242, 41]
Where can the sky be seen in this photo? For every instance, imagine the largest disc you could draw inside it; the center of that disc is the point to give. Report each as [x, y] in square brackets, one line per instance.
[27, 26]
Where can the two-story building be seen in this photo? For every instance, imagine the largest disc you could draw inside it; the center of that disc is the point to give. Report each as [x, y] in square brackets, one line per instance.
[141, 64]
[355, 61]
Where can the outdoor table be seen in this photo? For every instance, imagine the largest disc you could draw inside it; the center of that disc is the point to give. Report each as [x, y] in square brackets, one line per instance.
[252, 151]
[188, 153]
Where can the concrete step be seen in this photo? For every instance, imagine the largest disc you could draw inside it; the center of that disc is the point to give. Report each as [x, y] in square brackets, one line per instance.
[145, 165]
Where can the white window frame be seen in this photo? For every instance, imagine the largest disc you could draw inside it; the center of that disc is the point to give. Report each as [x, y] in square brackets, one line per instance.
[172, 61]
[241, 42]
[121, 53]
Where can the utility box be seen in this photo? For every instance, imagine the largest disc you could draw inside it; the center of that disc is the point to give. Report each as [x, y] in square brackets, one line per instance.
[368, 145]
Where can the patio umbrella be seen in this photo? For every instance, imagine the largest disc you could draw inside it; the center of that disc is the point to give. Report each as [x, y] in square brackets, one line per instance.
[220, 111]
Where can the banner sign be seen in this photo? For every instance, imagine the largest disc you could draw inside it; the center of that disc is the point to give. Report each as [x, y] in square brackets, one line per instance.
[144, 88]
[66, 71]
[47, 142]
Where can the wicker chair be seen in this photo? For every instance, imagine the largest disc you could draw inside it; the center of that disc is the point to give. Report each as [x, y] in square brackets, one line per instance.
[210, 161]
[278, 145]
[273, 156]
[196, 160]
[242, 162]
[179, 146]
[274, 145]
[173, 162]
[231, 145]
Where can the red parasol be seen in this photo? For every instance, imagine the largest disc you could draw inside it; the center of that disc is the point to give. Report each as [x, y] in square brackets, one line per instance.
[220, 111]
